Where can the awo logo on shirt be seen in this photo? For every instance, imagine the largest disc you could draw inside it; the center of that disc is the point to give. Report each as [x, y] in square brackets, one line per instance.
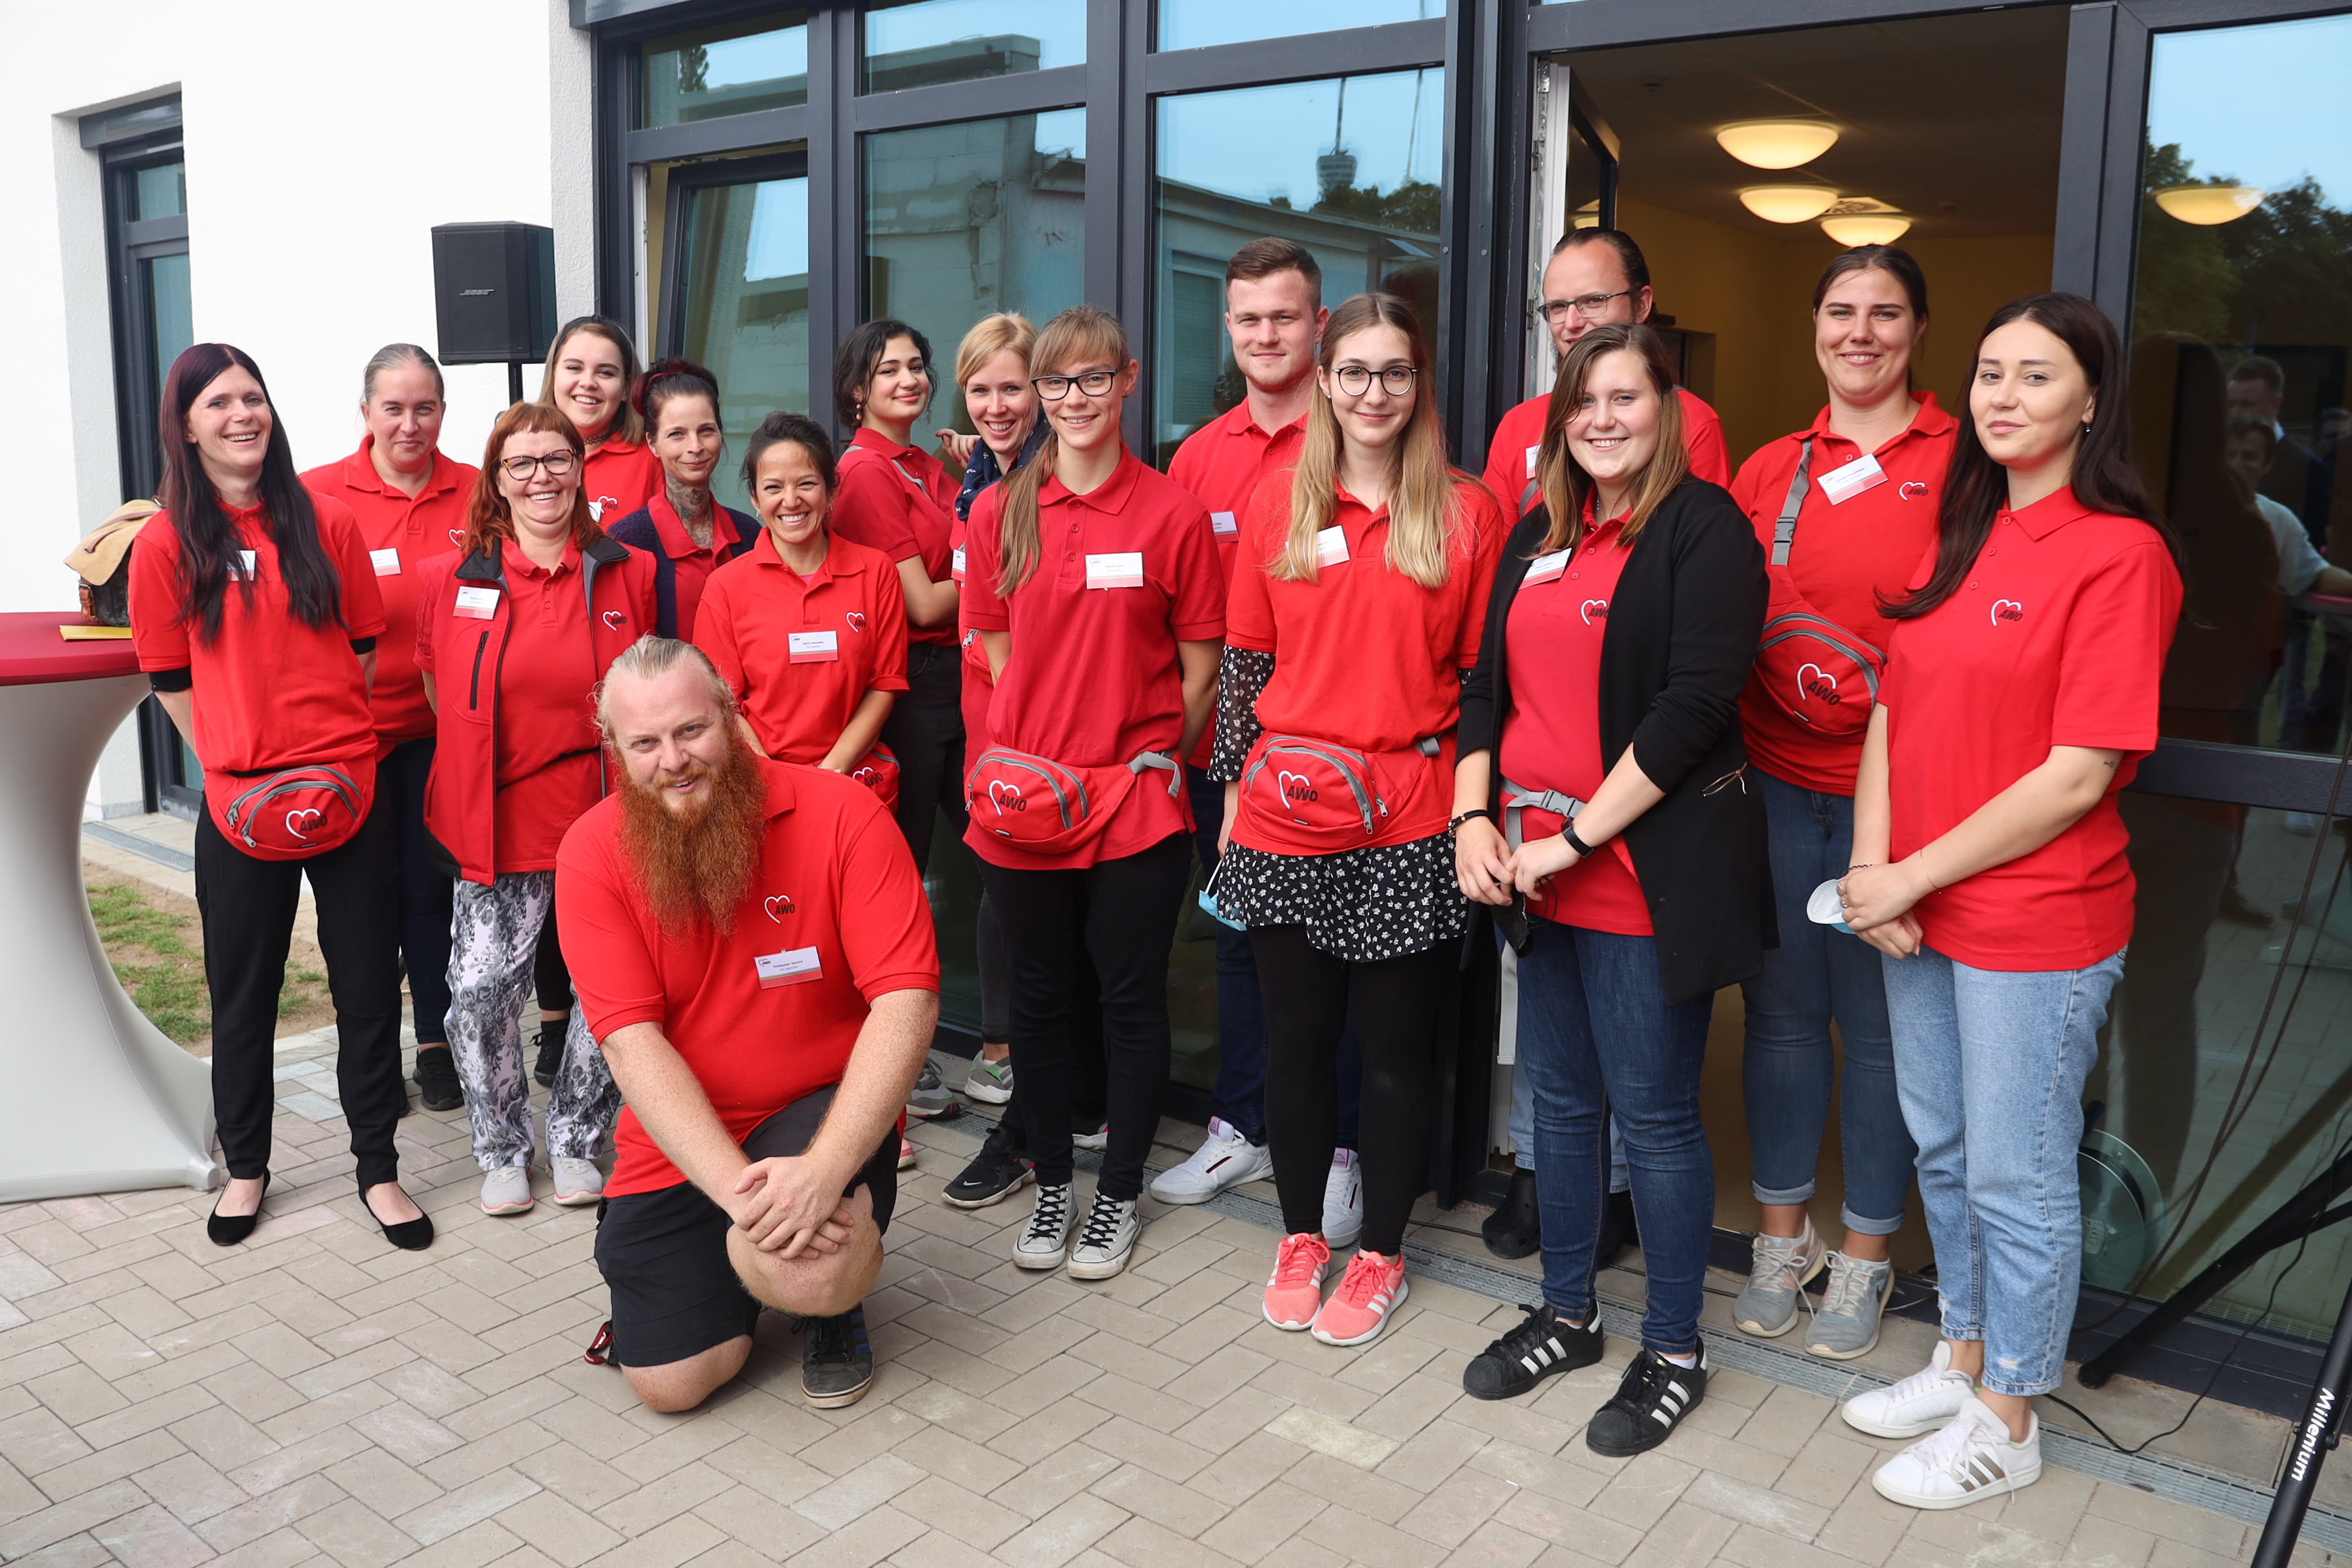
[1911, 489]
[1595, 610]
[778, 906]
[2007, 610]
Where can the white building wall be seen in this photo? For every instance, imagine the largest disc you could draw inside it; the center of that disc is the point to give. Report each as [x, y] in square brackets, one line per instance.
[323, 141]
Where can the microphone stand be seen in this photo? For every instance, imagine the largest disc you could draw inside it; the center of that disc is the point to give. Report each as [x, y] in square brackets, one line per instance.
[2317, 1432]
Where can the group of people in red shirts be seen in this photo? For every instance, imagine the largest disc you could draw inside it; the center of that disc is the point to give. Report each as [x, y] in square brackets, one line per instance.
[1843, 728]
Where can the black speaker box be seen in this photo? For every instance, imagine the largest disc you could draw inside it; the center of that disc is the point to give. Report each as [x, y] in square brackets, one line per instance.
[494, 291]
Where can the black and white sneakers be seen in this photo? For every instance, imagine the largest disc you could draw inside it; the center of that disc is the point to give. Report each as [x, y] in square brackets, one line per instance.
[1650, 1404]
[1540, 1348]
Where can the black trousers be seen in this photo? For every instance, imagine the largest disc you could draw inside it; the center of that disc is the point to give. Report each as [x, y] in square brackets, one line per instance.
[1395, 1001]
[549, 974]
[1121, 914]
[423, 887]
[247, 908]
[925, 732]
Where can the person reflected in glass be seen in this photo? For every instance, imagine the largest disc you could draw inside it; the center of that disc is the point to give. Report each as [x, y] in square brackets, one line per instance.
[684, 528]
[2312, 683]
[591, 367]
[2023, 685]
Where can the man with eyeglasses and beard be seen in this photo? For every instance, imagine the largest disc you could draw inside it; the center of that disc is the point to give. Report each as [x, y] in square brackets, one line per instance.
[752, 946]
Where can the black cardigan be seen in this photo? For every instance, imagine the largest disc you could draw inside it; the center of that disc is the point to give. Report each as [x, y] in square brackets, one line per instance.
[638, 529]
[1683, 627]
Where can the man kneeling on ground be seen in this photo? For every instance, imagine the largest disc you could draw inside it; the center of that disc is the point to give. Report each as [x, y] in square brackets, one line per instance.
[751, 944]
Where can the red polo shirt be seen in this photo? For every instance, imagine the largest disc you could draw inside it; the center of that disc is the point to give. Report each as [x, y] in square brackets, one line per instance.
[268, 691]
[1551, 736]
[1093, 677]
[2057, 637]
[849, 618]
[1221, 463]
[901, 501]
[690, 565]
[835, 884]
[1847, 554]
[1365, 656]
[399, 532]
[978, 689]
[620, 476]
[1511, 458]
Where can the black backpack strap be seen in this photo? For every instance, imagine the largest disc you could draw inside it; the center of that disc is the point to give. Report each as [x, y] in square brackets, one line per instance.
[1784, 531]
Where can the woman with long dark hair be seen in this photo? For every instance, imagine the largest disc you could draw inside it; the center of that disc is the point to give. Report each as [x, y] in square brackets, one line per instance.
[683, 527]
[256, 614]
[1603, 796]
[513, 632]
[1990, 868]
[1359, 589]
[591, 367]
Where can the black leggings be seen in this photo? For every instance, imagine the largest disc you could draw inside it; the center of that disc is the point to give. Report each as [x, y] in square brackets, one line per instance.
[1122, 914]
[1308, 994]
[548, 972]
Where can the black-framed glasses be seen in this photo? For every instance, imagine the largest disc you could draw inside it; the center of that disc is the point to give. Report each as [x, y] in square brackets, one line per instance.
[1356, 380]
[1587, 306]
[1093, 382]
[556, 463]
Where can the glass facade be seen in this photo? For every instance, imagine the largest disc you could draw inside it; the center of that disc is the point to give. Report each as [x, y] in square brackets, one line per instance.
[743, 260]
[1194, 23]
[713, 72]
[921, 43]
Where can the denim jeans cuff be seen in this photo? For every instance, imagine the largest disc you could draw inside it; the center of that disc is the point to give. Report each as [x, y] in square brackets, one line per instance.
[2016, 1387]
[1574, 1314]
[1764, 1195]
[1861, 1226]
[1523, 1160]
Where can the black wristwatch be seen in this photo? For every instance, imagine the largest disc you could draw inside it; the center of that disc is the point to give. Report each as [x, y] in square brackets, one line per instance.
[1568, 831]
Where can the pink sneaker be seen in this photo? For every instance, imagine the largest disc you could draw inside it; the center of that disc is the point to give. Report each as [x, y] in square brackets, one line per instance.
[906, 1155]
[1359, 1307]
[1295, 1291]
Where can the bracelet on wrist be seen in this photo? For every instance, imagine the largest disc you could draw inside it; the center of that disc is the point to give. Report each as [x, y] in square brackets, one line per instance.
[1568, 832]
[1470, 815]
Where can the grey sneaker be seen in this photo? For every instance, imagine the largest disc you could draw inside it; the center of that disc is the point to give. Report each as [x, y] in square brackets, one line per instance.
[929, 1097]
[1846, 1323]
[1108, 1240]
[991, 1082]
[1777, 1276]
[1042, 1240]
[507, 1190]
[578, 1183]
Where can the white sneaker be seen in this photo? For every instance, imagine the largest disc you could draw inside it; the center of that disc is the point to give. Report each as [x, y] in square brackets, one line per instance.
[1042, 1240]
[1098, 1139]
[507, 1190]
[1343, 1201]
[1920, 1404]
[1969, 1460]
[1107, 1240]
[1226, 1159]
[577, 1182]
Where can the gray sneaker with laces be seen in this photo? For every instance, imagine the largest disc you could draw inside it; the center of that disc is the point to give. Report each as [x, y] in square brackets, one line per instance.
[1107, 1240]
[1043, 1242]
[929, 1097]
[1845, 1325]
[1777, 1276]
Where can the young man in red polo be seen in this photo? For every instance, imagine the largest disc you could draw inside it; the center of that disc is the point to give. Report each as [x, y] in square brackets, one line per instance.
[753, 951]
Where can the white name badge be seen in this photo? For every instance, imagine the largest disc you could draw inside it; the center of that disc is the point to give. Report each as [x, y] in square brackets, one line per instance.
[244, 566]
[386, 562]
[477, 604]
[1223, 523]
[956, 570]
[794, 967]
[1844, 483]
[1330, 546]
[1123, 570]
[1533, 452]
[1546, 568]
[814, 647]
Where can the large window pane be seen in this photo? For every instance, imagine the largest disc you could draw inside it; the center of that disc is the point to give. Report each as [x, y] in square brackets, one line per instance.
[1193, 23]
[170, 318]
[915, 43]
[743, 310]
[1347, 167]
[730, 69]
[160, 192]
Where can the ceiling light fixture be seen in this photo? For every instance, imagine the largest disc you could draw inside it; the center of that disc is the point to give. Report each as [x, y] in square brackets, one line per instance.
[1777, 143]
[1867, 228]
[2206, 206]
[1788, 204]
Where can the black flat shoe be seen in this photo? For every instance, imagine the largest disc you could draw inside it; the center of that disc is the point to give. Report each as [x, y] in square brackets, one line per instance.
[1516, 1227]
[227, 1230]
[409, 1235]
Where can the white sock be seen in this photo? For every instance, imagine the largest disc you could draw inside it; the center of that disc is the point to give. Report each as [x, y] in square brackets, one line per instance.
[1689, 1362]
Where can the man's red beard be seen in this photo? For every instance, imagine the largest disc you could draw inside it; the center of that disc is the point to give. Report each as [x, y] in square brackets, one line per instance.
[697, 866]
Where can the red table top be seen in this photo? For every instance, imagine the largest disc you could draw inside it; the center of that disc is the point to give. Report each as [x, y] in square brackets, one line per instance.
[31, 654]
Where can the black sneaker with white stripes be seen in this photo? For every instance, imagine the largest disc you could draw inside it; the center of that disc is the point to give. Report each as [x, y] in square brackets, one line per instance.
[1650, 1404]
[1538, 1348]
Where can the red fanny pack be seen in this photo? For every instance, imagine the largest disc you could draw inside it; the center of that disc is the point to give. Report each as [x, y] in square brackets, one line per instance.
[1817, 672]
[295, 813]
[1316, 797]
[878, 771]
[1048, 807]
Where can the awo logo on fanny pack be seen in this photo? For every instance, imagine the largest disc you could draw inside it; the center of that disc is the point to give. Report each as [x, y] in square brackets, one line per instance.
[1814, 682]
[303, 818]
[1006, 797]
[1296, 788]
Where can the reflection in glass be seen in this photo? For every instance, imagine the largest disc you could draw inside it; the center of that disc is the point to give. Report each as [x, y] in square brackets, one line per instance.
[162, 191]
[967, 220]
[1194, 23]
[170, 318]
[915, 43]
[1347, 167]
[730, 70]
[744, 266]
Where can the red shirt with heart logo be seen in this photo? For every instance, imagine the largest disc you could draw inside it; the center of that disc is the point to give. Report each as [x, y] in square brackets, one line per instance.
[399, 531]
[2057, 637]
[901, 501]
[835, 885]
[619, 477]
[850, 616]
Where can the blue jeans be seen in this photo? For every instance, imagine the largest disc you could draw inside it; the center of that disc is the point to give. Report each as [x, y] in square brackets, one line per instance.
[1239, 1088]
[1596, 1039]
[1816, 974]
[1991, 1064]
[1523, 1133]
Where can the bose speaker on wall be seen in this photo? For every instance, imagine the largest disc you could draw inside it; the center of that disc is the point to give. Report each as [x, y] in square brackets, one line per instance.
[494, 291]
